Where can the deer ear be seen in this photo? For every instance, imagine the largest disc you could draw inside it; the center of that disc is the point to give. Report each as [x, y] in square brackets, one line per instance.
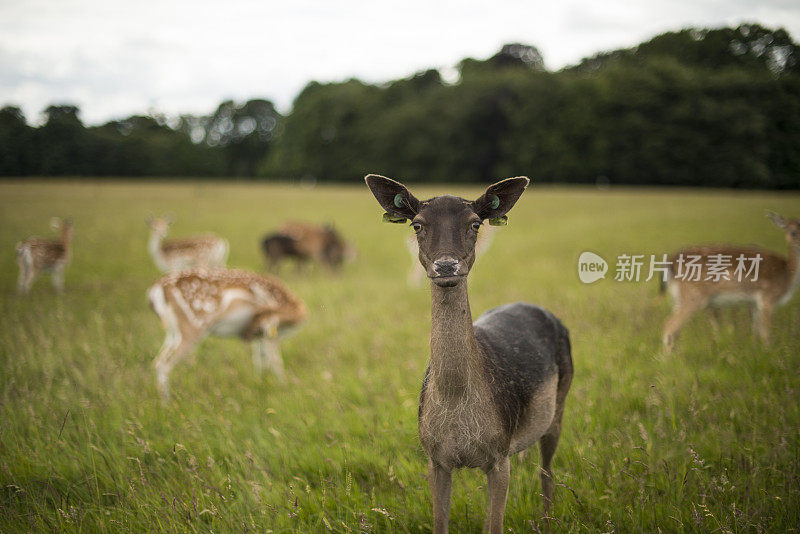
[393, 197]
[499, 198]
[779, 221]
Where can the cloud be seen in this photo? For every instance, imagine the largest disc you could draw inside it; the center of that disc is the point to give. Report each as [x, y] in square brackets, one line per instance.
[114, 58]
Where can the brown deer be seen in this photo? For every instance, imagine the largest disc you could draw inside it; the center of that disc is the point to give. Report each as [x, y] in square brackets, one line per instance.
[206, 250]
[223, 302]
[722, 278]
[35, 255]
[416, 273]
[306, 242]
[493, 387]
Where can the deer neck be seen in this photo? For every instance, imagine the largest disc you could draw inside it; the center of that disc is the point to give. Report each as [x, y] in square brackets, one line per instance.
[455, 356]
[154, 245]
[66, 237]
[793, 265]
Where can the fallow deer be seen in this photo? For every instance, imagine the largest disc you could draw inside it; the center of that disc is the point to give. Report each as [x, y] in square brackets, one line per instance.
[223, 302]
[306, 242]
[493, 387]
[416, 273]
[771, 285]
[36, 254]
[207, 250]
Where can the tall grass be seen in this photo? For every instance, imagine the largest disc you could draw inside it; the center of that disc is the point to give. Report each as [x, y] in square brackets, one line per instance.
[705, 439]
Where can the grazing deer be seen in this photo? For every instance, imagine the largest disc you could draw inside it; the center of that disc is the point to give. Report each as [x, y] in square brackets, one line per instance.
[36, 254]
[777, 277]
[223, 302]
[206, 250]
[493, 387]
[416, 273]
[306, 242]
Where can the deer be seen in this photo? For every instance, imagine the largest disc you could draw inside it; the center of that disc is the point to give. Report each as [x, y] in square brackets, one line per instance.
[761, 278]
[195, 303]
[416, 273]
[493, 387]
[207, 250]
[306, 242]
[36, 254]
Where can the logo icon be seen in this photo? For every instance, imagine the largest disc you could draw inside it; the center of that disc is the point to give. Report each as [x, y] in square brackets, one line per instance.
[591, 267]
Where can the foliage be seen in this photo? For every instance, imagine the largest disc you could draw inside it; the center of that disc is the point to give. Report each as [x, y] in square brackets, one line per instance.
[701, 107]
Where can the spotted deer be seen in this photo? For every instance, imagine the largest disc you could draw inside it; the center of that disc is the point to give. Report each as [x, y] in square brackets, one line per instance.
[36, 254]
[493, 387]
[770, 286]
[206, 250]
[195, 303]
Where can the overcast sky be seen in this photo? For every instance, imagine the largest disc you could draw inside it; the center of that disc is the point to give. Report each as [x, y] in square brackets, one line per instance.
[115, 58]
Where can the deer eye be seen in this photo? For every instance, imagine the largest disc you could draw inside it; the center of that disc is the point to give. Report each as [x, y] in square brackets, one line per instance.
[416, 226]
[476, 225]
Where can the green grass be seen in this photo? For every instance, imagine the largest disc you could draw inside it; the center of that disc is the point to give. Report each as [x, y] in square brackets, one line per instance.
[705, 439]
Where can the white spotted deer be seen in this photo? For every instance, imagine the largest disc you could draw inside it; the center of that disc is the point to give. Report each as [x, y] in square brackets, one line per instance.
[207, 250]
[195, 303]
[750, 275]
[36, 254]
[493, 387]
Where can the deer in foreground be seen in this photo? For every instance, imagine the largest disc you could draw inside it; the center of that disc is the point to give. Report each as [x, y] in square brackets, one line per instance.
[416, 273]
[195, 303]
[777, 277]
[36, 254]
[493, 387]
[206, 250]
[306, 242]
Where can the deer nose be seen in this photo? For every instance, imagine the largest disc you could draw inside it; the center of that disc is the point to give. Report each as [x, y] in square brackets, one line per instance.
[445, 267]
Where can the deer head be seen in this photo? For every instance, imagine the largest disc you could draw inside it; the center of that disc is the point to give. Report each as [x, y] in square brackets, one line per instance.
[446, 226]
[159, 225]
[790, 226]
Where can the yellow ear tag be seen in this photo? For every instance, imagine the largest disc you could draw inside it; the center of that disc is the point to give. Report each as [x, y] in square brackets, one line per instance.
[387, 218]
[499, 221]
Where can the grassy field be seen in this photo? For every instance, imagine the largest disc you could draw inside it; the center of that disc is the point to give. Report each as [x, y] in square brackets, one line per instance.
[706, 439]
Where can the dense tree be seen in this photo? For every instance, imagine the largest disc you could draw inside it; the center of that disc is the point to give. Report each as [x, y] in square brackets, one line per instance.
[749, 46]
[718, 107]
[244, 133]
[15, 143]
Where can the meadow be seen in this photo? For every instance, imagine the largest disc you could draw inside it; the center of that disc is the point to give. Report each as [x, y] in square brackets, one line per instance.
[705, 439]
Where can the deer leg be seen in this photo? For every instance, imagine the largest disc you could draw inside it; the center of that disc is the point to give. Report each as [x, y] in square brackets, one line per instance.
[271, 357]
[23, 276]
[57, 277]
[497, 484]
[175, 348]
[680, 315]
[547, 446]
[31, 276]
[439, 479]
[715, 319]
[258, 363]
[763, 318]
[27, 273]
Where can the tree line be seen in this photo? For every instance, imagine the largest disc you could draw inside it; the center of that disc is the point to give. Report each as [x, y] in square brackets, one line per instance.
[698, 107]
